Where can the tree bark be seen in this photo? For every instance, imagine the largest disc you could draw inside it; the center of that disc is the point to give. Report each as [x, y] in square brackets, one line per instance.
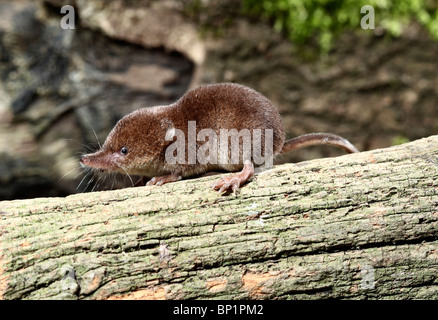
[353, 227]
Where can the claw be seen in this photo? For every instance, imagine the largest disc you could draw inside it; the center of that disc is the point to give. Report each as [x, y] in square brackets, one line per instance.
[159, 181]
[233, 182]
[227, 184]
[152, 181]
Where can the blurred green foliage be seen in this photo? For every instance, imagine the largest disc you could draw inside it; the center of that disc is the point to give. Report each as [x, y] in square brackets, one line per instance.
[399, 140]
[325, 19]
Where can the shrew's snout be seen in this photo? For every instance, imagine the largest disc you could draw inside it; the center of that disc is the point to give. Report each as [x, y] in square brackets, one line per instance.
[83, 160]
[99, 161]
[87, 162]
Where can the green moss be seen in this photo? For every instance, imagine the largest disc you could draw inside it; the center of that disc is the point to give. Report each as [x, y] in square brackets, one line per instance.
[323, 20]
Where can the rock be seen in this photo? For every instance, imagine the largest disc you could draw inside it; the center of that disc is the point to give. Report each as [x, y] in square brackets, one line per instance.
[63, 90]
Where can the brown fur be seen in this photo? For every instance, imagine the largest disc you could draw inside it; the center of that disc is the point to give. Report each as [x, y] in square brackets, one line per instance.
[220, 106]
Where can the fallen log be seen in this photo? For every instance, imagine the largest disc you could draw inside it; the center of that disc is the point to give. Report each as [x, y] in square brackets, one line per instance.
[352, 227]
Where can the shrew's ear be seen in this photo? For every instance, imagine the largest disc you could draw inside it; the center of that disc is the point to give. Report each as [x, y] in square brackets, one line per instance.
[166, 124]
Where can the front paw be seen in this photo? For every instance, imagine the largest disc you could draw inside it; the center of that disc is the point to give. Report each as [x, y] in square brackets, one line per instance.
[159, 181]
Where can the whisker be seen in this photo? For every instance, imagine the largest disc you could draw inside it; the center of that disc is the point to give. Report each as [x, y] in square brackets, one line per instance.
[83, 171]
[86, 174]
[66, 174]
[97, 183]
[94, 132]
[80, 144]
[132, 182]
[89, 182]
[63, 161]
[114, 181]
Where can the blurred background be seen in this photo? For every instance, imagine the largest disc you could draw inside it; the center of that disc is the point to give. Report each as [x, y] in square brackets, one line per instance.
[67, 78]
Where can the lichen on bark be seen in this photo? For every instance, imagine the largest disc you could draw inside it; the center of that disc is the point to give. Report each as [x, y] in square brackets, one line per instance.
[352, 227]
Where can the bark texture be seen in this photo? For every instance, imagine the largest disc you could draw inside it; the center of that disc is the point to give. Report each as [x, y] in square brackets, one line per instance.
[354, 227]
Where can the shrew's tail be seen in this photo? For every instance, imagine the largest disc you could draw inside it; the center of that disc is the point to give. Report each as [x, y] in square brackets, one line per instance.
[313, 139]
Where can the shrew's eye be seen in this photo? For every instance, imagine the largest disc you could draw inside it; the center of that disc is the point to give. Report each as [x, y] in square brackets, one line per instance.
[124, 150]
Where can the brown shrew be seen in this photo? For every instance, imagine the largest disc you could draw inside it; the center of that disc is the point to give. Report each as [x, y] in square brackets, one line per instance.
[210, 128]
